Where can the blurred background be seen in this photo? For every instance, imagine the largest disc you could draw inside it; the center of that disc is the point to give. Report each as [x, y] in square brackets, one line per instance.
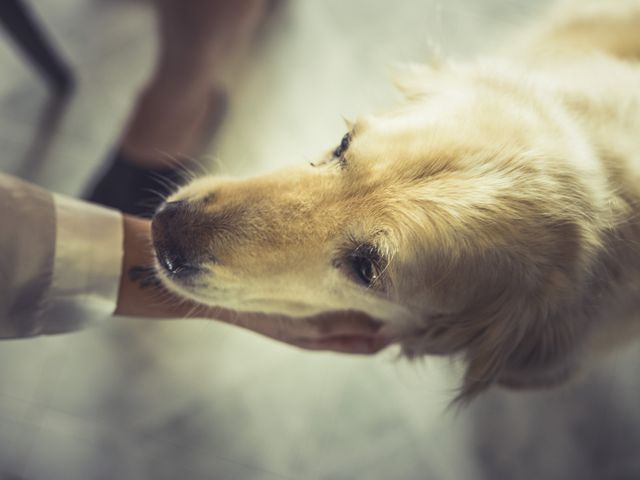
[134, 399]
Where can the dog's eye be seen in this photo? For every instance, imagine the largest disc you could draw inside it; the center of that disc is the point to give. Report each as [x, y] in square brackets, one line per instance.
[343, 147]
[365, 264]
[364, 269]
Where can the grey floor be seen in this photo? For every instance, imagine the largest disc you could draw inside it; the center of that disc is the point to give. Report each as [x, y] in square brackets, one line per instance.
[134, 399]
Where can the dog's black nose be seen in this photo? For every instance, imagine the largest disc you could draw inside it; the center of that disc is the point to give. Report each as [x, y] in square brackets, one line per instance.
[170, 232]
[175, 264]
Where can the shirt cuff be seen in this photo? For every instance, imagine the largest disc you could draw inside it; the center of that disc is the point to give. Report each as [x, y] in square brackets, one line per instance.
[87, 263]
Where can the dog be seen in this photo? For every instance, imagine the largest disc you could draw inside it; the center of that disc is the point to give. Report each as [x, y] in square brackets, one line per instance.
[492, 216]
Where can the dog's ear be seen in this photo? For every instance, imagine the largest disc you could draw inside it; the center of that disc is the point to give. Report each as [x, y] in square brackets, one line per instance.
[546, 355]
[520, 347]
[498, 331]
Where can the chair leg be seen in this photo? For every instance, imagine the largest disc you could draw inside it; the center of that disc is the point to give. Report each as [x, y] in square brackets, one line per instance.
[25, 31]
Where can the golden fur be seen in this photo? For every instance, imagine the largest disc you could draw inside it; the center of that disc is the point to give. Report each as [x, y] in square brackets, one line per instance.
[495, 211]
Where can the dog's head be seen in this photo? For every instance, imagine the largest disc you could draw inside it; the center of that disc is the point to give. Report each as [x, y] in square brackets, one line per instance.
[459, 219]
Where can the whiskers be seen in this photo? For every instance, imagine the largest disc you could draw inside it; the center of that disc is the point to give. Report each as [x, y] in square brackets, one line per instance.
[173, 172]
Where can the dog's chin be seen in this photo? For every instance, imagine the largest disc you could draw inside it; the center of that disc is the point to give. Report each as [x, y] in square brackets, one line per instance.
[198, 291]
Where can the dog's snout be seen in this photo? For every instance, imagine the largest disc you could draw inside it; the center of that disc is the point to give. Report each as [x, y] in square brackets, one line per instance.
[172, 209]
[171, 216]
[169, 229]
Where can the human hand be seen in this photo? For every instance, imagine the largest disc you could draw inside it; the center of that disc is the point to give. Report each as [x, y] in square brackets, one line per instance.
[338, 331]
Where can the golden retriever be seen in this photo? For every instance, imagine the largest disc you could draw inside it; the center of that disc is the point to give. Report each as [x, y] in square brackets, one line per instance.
[493, 215]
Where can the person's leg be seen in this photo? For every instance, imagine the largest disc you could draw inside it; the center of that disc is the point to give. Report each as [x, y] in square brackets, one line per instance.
[197, 39]
[181, 104]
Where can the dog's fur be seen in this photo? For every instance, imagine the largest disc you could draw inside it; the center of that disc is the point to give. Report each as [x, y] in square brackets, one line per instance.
[498, 207]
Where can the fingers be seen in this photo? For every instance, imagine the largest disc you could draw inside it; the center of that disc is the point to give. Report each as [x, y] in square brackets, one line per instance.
[329, 324]
[352, 345]
[342, 323]
[338, 331]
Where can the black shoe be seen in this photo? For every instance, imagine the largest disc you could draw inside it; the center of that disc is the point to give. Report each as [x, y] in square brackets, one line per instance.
[135, 190]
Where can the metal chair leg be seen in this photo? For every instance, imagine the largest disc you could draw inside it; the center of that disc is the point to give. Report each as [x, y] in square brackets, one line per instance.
[29, 36]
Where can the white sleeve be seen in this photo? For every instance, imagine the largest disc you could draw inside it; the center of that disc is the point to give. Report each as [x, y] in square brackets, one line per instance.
[60, 261]
[86, 265]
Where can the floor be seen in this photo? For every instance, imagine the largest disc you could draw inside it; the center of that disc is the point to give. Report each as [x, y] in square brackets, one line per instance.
[134, 399]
